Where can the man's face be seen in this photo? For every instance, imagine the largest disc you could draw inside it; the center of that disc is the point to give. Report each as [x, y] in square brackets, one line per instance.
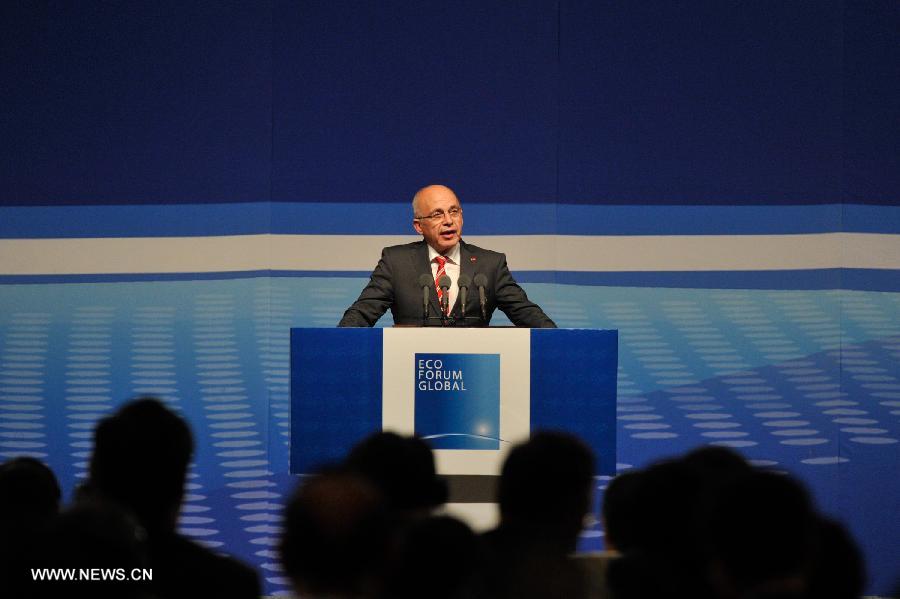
[438, 218]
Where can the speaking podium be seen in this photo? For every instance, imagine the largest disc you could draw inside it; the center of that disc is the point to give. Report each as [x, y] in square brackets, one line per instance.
[470, 392]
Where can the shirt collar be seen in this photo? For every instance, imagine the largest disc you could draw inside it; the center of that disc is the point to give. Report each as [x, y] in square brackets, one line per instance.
[452, 256]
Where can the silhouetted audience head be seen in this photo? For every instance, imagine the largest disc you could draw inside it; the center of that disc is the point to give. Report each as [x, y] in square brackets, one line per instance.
[402, 468]
[335, 538]
[437, 557]
[761, 537]
[619, 512]
[715, 464]
[837, 571]
[668, 501]
[140, 460]
[29, 501]
[29, 494]
[547, 482]
[662, 550]
[544, 494]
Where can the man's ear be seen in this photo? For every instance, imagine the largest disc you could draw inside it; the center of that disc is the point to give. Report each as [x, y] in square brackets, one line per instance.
[417, 226]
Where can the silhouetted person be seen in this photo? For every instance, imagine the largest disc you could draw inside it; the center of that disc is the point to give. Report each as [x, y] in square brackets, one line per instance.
[437, 557]
[335, 538]
[717, 465]
[761, 532]
[29, 493]
[29, 500]
[140, 461]
[662, 553]
[660, 523]
[618, 517]
[402, 468]
[618, 511]
[101, 539]
[544, 494]
[837, 569]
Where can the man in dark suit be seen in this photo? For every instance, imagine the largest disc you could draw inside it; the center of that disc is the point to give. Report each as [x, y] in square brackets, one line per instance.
[140, 463]
[397, 281]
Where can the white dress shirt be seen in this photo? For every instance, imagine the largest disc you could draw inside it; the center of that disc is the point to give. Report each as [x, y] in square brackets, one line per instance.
[451, 268]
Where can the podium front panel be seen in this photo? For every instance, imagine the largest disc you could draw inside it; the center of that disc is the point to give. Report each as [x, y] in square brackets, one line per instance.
[471, 393]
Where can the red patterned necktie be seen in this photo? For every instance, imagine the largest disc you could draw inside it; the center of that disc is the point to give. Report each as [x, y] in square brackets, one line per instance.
[441, 262]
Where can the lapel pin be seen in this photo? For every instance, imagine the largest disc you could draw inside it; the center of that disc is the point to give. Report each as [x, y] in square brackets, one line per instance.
[473, 259]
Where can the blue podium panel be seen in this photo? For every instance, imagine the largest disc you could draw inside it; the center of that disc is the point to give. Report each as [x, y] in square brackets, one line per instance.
[471, 393]
[573, 387]
[335, 393]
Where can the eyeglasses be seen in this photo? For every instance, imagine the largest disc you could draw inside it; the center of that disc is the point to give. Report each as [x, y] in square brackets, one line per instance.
[438, 215]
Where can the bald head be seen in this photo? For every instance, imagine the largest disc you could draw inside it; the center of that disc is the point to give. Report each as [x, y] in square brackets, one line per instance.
[437, 217]
[428, 192]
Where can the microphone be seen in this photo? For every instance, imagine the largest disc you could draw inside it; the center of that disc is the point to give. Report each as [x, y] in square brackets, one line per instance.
[481, 281]
[426, 283]
[463, 283]
[444, 283]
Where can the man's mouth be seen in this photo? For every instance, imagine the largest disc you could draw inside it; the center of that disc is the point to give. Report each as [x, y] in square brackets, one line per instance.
[449, 233]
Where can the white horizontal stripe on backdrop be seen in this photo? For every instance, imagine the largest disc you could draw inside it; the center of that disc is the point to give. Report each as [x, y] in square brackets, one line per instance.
[335, 253]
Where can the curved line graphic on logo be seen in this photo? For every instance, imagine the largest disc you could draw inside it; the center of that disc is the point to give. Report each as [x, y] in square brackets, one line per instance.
[438, 436]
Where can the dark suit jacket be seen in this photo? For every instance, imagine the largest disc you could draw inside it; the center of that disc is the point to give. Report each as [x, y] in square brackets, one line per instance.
[185, 570]
[395, 284]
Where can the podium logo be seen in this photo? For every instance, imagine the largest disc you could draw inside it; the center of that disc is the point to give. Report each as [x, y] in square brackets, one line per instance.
[458, 400]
